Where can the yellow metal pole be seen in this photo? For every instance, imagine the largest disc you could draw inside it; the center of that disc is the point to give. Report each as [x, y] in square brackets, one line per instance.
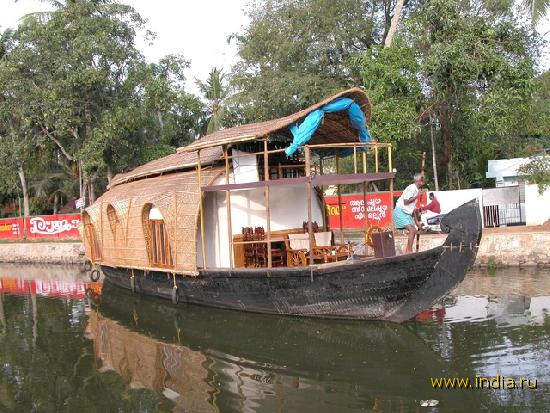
[390, 169]
[376, 158]
[228, 208]
[354, 159]
[201, 209]
[267, 205]
[340, 212]
[309, 196]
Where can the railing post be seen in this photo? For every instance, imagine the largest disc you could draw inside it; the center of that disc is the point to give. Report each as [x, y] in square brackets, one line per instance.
[309, 196]
[201, 209]
[390, 169]
[228, 208]
[354, 159]
[267, 207]
[340, 212]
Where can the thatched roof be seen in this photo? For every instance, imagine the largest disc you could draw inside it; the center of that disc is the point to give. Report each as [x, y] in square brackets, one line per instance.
[170, 163]
[336, 127]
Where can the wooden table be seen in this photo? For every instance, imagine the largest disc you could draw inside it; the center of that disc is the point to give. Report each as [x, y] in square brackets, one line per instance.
[276, 237]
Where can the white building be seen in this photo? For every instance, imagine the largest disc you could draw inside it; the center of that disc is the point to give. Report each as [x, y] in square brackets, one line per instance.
[505, 171]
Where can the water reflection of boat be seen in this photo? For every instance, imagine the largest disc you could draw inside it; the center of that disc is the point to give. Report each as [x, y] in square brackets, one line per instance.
[204, 357]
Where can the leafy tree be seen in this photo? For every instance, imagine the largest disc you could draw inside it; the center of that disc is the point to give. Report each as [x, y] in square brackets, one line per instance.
[538, 172]
[87, 98]
[294, 53]
[468, 69]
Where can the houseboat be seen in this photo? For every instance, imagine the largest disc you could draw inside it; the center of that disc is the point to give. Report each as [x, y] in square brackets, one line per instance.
[237, 220]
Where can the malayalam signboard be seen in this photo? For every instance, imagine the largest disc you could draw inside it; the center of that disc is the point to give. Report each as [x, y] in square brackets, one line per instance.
[377, 209]
[354, 210]
[41, 227]
[11, 228]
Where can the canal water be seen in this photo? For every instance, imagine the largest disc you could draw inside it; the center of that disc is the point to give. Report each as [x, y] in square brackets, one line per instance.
[69, 345]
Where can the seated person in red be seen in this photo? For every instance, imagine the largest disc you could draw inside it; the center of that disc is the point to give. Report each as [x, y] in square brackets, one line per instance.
[431, 210]
[433, 205]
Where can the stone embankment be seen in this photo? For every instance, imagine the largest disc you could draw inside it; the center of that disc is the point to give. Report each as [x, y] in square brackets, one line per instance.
[499, 247]
[61, 252]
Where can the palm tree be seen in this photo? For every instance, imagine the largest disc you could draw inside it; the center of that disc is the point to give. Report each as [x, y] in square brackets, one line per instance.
[214, 91]
[537, 9]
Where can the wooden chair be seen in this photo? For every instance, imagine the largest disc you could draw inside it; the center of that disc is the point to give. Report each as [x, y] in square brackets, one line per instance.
[314, 226]
[327, 252]
[296, 257]
[261, 251]
[249, 253]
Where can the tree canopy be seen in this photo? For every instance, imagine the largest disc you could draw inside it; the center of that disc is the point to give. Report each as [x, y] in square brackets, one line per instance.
[465, 70]
[79, 102]
[74, 87]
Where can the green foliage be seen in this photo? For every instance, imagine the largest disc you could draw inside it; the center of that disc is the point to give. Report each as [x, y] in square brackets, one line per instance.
[537, 9]
[295, 53]
[469, 72]
[215, 91]
[465, 68]
[390, 77]
[74, 87]
[537, 171]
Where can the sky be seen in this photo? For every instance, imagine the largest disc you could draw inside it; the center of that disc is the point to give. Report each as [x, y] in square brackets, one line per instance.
[198, 29]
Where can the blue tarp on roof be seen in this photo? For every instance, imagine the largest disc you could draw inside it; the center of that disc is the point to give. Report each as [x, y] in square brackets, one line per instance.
[303, 132]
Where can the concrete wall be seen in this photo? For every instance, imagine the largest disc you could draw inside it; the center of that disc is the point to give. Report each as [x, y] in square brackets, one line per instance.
[537, 207]
[42, 252]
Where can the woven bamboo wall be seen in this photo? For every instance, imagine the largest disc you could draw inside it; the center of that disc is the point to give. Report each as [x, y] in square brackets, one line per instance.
[120, 216]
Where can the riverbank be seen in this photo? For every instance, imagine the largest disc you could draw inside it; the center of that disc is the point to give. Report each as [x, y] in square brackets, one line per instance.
[499, 247]
[59, 252]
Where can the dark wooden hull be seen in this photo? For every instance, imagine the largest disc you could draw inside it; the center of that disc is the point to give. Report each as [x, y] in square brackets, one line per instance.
[394, 289]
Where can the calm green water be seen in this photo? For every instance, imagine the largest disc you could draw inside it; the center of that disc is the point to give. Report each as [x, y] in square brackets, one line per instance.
[63, 348]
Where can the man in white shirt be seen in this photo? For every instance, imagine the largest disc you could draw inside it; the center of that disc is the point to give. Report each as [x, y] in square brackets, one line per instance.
[404, 209]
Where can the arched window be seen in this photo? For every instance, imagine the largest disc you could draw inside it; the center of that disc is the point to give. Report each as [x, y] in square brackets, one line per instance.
[91, 237]
[114, 222]
[158, 244]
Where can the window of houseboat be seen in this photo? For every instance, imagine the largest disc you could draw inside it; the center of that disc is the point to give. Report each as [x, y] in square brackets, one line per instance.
[160, 252]
[91, 237]
[114, 222]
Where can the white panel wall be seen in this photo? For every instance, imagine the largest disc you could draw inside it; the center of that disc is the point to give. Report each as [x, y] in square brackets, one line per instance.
[288, 210]
[537, 207]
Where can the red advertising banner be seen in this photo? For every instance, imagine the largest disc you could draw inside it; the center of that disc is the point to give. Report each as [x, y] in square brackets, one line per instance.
[53, 226]
[41, 227]
[11, 228]
[353, 210]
